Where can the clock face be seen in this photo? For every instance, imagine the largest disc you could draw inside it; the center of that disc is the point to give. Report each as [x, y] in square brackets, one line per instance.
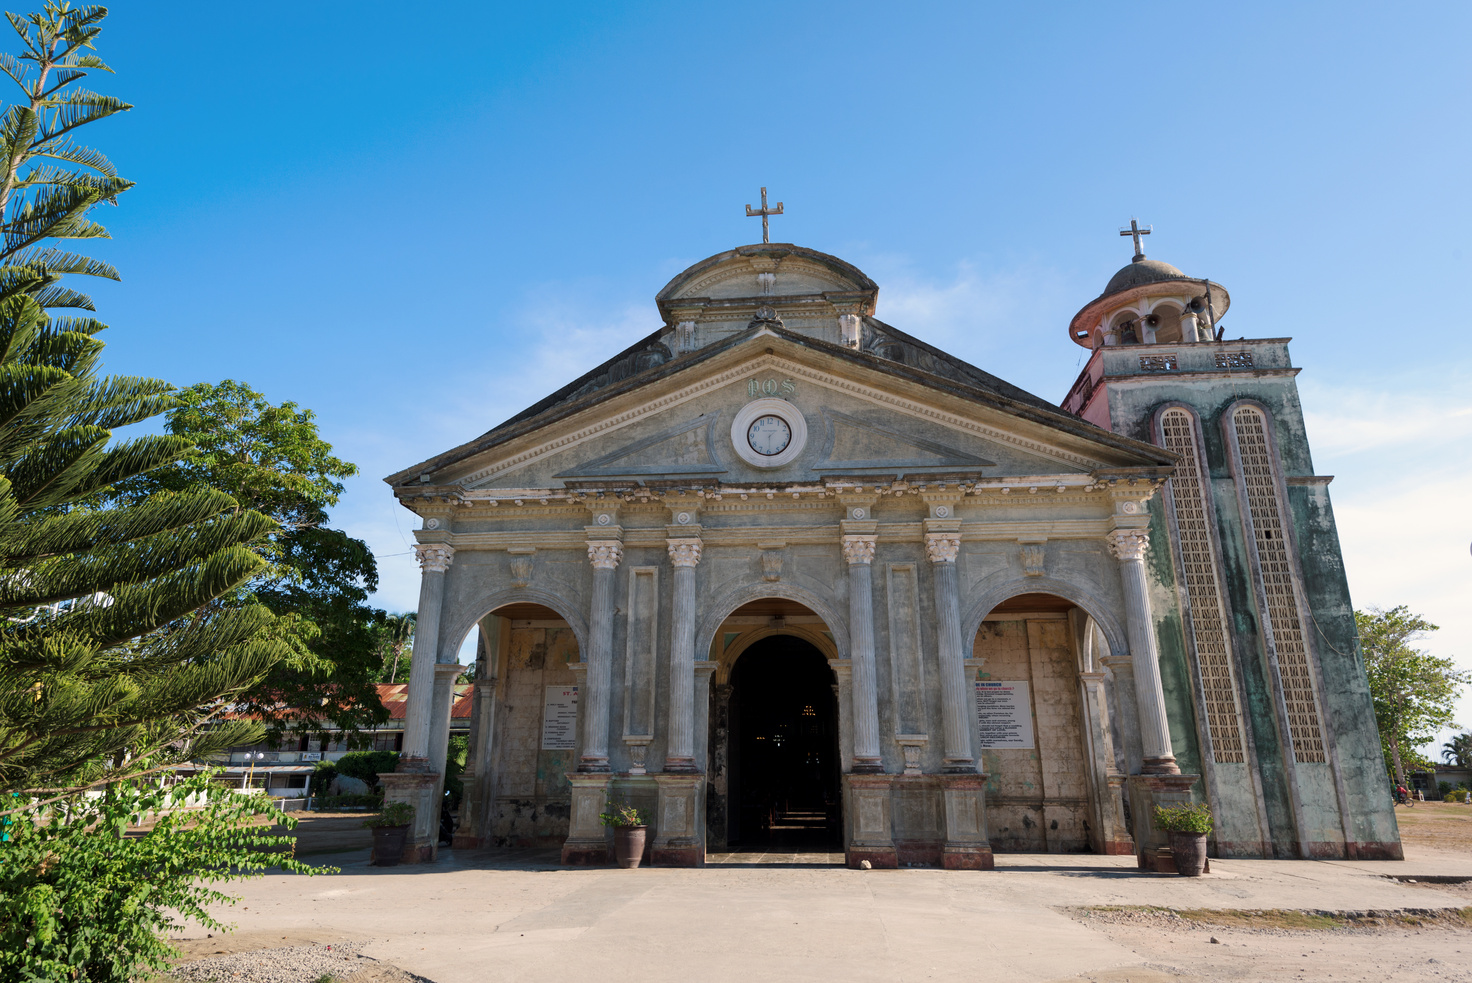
[769, 435]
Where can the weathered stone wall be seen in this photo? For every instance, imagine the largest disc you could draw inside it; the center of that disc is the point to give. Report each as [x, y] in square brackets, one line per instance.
[1037, 800]
[532, 796]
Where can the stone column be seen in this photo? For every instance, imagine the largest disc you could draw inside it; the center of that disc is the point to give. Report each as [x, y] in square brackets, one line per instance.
[680, 752]
[1128, 547]
[445, 674]
[605, 556]
[434, 562]
[956, 708]
[859, 552]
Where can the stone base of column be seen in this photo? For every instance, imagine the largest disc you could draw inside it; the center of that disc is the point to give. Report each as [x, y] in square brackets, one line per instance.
[679, 766]
[1160, 766]
[868, 766]
[967, 846]
[587, 839]
[1152, 846]
[419, 789]
[869, 821]
[677, 834]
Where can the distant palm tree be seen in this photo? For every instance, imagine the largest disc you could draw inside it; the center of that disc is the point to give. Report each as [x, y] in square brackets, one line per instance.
[1458, 751]
[396, 633]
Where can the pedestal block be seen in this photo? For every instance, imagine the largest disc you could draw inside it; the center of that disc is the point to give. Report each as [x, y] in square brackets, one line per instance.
[967, 847]
[677, 839]
[1152, 846]
[870, 821]
[415, 784]
[587, 839]
[1119, 843]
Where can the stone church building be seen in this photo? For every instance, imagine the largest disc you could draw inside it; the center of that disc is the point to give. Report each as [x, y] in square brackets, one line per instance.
[787, 577]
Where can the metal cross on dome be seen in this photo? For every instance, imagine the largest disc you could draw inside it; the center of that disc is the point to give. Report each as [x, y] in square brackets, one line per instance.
[1136, 231]
[764, 211]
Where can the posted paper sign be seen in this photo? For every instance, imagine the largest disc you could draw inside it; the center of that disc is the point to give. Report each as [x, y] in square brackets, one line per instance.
[560, 719]
[1004, 710]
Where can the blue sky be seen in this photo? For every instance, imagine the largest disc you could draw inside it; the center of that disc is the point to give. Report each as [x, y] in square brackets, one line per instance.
[418, 219]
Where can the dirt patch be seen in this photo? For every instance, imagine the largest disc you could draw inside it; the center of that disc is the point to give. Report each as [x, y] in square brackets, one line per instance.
[1281, 919]
[257, 957]
[1445, 827]
[1402, 945]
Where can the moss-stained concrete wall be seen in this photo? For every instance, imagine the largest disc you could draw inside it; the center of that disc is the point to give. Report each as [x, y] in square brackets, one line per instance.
[1321, 809]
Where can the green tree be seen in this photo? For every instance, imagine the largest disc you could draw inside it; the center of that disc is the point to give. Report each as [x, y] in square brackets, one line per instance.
[395, 645]
[271, 458]
[89, 892]
[1414, 692]
[1458, 751]
[114, 647]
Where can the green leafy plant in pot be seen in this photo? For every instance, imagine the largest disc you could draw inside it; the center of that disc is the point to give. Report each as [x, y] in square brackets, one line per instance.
[630, 827]
[390, 831]
[1187, 826]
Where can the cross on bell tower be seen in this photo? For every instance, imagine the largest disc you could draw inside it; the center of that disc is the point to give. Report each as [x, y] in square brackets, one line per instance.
[1136, 231]
[764, 211]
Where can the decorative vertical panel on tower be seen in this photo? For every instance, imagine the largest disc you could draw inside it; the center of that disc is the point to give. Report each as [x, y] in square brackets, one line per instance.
[1197, 553]
[1258, 483]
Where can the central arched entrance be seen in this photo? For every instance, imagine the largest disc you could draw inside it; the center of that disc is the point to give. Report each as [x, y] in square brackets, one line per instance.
[784, 758]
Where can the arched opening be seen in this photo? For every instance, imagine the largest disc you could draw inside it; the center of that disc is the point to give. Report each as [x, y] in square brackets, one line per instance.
[774, 762]
[523, 735]
[784, 767]
[1044, 729]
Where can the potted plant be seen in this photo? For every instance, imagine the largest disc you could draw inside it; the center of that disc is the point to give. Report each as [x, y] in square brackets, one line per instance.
[630, 826]
[390, 830]
[1187, 826]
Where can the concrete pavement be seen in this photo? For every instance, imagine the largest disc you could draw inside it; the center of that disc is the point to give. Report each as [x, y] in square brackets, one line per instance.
[488, 916]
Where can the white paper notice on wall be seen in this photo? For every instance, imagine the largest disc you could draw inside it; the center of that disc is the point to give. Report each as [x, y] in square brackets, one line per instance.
[1004, 711]
[560, 719]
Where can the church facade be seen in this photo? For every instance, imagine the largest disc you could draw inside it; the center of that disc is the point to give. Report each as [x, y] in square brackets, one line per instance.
[786, 577]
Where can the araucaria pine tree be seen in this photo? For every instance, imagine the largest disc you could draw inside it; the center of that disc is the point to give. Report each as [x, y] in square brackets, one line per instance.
[118, 640]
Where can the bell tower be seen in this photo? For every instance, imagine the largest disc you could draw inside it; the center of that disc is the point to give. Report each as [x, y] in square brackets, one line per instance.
[1244, 535]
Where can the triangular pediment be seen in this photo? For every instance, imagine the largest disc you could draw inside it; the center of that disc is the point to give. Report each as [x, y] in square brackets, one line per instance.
[682, 449]
[859, 415]
[859, 446]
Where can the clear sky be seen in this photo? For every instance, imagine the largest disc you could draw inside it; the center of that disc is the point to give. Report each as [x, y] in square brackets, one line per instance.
[417, 219]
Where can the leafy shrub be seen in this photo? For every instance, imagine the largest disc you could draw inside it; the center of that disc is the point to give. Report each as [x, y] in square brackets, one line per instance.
[322, 777]
[393, 814]
[365, 765]
[1188, 818]
[1444, 789]
[87, 894]
[622, 815]
[327, 803]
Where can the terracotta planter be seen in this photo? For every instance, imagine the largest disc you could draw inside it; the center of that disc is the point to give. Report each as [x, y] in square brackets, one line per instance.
[628, 845]
[388, 845]
[1189, 851]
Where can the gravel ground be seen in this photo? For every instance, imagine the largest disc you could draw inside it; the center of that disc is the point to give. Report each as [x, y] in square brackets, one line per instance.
[291, 964]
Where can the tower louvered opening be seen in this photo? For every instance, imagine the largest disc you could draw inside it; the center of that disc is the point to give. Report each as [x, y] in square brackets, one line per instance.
[1187, 493]
[1270, 536]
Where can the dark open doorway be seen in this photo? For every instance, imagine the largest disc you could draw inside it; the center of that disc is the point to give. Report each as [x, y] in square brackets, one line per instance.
[784, 748]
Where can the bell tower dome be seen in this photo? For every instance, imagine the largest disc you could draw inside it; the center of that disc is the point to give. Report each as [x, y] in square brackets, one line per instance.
[1150, 302]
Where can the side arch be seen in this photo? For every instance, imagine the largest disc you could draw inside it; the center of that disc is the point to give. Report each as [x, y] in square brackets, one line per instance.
[722, 607]
[487, 604]
[1093, 605]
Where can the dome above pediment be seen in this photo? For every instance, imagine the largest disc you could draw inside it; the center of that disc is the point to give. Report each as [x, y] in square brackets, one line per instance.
[773, 274]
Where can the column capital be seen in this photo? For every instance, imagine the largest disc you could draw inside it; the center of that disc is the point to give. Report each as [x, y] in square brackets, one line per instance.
[859, 549]
[1128, 544]
[942, 547]
[434, 557]
[684, 552]
[605, 554]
